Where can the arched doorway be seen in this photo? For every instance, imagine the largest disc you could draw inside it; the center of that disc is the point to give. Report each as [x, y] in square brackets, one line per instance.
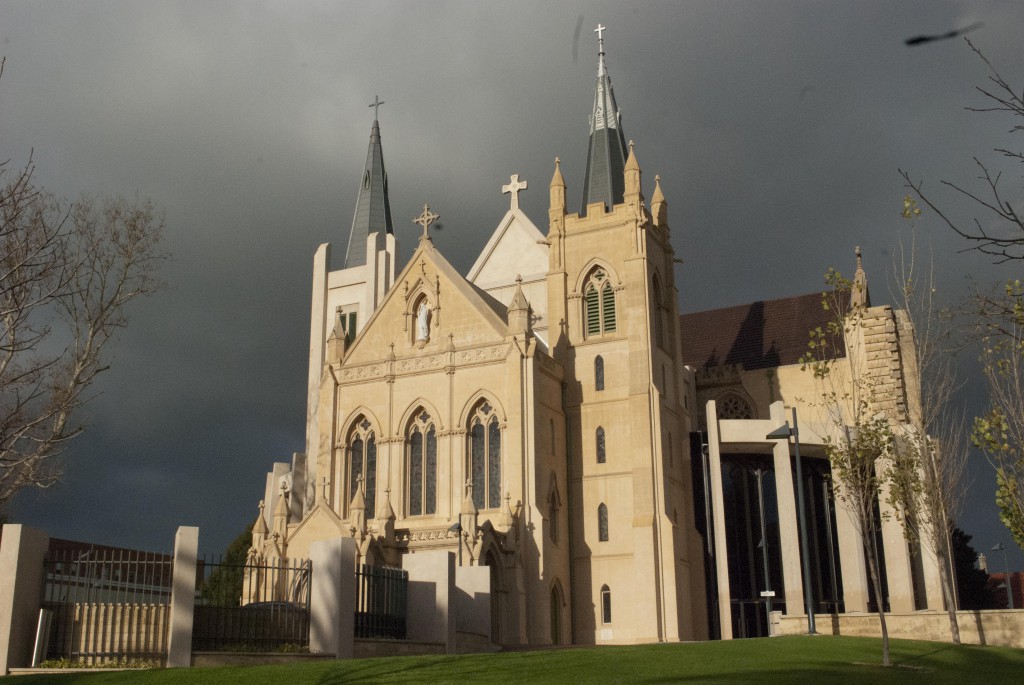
[556, 613]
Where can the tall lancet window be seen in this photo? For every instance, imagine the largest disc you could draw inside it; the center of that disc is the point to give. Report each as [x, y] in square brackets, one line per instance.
[602, 523]
[599, 303]
[422, 465]
[363, 463]
[485, 457]
[598, 373]
[599, 442]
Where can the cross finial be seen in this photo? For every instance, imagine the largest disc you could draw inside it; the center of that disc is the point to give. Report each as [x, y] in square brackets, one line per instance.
[856, 251]
[600, 36]
[425, 219]
[377, 102]
[324, 483]
[513, 187]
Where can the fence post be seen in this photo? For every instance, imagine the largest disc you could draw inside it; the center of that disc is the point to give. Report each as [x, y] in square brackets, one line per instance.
[183, 597]
[432, 597]
[333, 597]
[21, 567]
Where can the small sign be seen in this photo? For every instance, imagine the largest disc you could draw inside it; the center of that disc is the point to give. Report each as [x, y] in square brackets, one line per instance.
[768, 593]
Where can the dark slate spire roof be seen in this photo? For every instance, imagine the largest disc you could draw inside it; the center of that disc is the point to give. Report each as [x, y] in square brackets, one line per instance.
[373, 208]
[606, 158]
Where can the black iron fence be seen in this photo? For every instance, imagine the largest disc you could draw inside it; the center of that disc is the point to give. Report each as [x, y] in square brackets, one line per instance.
[106, 605]
[382, 598]
[251, 607]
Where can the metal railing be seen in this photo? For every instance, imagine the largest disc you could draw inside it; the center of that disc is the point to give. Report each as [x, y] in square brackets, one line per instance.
[251, 607]
[382, 598]
[107, 604]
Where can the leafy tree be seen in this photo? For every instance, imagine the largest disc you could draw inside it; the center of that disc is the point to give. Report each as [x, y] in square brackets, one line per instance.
[223, 588]
[971, 582]
[861, 436]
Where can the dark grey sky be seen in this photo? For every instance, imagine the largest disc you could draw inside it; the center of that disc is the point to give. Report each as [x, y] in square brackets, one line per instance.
[777, 129]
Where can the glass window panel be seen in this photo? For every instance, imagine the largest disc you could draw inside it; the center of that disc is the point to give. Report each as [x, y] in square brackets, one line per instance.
[478, 446]
[600, 445]
[493, 464]
[416, 473]
[371, 476]
[599, 373]
[602, 523]
[606, 605]
[357, 467]
[430, 506]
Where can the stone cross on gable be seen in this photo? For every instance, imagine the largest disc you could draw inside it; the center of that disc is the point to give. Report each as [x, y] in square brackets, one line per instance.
[425, 219]
[377, 102]
[513, 187]
[324, 483]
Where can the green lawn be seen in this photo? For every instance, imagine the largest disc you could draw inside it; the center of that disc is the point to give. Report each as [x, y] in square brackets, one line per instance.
[819, 660]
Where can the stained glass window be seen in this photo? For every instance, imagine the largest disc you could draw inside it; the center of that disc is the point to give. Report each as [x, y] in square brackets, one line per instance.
[598, 373]
[422, 465]
[363, 462]
[602, 523]
[599, 438]
[606, 604]
[485, 458]
[357, 467]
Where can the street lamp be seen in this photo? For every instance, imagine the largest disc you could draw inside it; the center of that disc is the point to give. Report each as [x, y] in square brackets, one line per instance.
[999, 547]
[784, 432]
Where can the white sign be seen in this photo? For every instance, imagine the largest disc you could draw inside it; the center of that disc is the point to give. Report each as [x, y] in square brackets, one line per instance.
[768, 593]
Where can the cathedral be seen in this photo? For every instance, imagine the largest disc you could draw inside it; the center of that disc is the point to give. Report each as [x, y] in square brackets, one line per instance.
[552, 416]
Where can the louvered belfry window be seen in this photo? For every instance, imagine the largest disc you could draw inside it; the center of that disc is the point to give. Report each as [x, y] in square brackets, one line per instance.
[599, 304]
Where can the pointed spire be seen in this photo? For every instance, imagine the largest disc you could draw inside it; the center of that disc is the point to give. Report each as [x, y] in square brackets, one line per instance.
[631, 173]
[607, 153]
[373, 208]
[519, 311]
[260, 527]
[338, 339]
[859, 295]
[659, 207]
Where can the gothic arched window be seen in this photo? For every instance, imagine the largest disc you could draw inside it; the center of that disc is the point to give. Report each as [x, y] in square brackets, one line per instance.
[485, 457]
[422, 464]
[599, 303]
[598, 373]
[363, 463]
[599, 443]
[606, 604]
[554, 503]
[602, 523]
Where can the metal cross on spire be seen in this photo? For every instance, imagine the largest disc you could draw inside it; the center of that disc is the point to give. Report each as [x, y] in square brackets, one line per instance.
[600, 37]
[377, 102]
[425, 219]
[514, 186]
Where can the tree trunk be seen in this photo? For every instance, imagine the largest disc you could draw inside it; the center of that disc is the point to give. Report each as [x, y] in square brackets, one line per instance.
[943, 553]
[869, 547]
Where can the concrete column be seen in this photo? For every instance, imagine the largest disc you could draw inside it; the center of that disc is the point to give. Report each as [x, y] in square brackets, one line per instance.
[898, 568]
[21, 584]
[789, 532]
[851, 556]
[718, 514]
[333, 597]
[183, 597]
[431, 597]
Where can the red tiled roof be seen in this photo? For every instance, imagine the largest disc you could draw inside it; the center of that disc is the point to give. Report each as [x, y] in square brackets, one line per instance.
[758, 335]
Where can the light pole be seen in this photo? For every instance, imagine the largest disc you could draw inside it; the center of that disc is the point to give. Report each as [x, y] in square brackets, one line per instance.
[784, 432]
[999, 547]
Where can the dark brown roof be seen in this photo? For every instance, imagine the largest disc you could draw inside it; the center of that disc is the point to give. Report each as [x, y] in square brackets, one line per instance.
[758, 335]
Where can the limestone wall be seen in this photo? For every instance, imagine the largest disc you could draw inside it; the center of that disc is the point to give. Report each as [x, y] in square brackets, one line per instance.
[995, 627]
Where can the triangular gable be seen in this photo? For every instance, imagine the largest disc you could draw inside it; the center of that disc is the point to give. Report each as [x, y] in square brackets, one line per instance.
[514, 249]
[487, 318]
[319, 524]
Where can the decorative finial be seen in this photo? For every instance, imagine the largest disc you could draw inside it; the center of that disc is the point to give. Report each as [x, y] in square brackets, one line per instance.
[657, 178]
[557, 161]
[262, 507]
[856, 251]
[630, 146]
[519, 279]
[513, 187]
[425, 219]
[600, 37]
[377, 102]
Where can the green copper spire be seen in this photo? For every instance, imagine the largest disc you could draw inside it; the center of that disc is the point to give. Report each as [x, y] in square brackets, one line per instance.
[373, 208]
[606, 158]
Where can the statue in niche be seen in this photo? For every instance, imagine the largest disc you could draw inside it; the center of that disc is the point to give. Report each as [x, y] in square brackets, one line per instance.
[423, 322]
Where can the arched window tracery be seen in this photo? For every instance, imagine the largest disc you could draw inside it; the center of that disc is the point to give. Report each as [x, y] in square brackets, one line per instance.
[421, 464]
[485, 457]
[363, 463]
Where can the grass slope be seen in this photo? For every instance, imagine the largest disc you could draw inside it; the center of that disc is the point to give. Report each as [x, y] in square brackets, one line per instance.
[820, 660]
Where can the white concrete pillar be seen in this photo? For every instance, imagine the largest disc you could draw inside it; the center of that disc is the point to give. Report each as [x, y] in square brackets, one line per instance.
[851, 556]
[789, 531]
[898, 567]
[21, 583]
[333, 597]
[183, 597]
[431, 613]
[718, 514]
